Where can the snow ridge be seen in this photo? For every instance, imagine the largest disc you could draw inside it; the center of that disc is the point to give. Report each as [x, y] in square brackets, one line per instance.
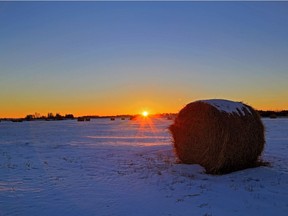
[228, 106]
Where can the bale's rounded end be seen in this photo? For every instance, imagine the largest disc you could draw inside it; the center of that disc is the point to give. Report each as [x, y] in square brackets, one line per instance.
[222, 136]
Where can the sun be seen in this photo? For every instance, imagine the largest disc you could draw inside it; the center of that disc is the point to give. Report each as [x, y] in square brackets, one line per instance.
[145, 113]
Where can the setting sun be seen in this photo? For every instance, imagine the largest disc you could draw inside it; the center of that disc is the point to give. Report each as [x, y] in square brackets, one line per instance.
[145, 113]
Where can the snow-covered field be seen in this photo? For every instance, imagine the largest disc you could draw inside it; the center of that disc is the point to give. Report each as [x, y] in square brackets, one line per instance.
[122, 168]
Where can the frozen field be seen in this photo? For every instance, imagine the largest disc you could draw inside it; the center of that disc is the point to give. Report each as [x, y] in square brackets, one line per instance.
[127, 168]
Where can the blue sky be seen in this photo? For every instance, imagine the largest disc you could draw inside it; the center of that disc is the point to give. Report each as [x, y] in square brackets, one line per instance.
[121, 57]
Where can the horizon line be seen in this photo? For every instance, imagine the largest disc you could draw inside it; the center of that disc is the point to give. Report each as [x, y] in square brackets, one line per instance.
[119, 115]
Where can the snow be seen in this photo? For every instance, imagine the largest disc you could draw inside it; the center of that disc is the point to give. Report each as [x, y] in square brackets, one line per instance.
[127, 168]
[228, 106]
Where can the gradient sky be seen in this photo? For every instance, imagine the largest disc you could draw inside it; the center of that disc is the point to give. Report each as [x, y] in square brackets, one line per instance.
[106, 58]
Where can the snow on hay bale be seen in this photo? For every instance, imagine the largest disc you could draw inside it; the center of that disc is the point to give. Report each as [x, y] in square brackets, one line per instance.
[223, 136]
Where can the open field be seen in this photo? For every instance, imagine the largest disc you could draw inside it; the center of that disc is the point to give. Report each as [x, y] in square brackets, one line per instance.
[124, 167]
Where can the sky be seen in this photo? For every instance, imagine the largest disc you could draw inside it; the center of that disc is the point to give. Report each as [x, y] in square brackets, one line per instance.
[109, 58]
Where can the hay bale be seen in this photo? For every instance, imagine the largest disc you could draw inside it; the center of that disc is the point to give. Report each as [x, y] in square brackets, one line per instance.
[222, 136]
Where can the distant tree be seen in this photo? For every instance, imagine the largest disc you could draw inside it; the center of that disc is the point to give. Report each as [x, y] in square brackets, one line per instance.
[37, 115]
[50, 116]
[29, 117]
[69, 116]
[59, 117]
[283, 113]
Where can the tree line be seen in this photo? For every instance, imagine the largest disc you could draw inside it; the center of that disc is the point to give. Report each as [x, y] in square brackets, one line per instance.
[57, 116]
[50, 116]
[273, 114]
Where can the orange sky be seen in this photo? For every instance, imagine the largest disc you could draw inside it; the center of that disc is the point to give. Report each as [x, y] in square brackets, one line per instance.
[115, 106]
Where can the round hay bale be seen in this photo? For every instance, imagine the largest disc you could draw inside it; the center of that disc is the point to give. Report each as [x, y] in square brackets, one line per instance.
[222, 136]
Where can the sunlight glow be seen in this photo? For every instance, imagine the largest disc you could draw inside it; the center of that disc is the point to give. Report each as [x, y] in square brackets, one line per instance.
[145, 113]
